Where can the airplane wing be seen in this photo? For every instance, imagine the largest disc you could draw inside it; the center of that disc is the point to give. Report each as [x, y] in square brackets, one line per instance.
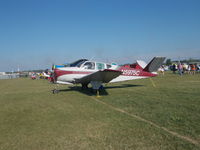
[103, 76]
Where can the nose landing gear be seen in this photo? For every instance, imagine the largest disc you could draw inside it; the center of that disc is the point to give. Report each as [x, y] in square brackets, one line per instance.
[55, 91]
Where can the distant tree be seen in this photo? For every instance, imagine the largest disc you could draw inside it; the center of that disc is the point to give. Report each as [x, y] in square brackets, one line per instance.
[168, 62]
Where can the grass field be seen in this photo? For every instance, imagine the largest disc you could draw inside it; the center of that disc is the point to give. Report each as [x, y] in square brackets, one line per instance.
[157, 114]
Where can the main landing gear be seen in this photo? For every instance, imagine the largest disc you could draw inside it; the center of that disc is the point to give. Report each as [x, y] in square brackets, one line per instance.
[84, 86]
[96, 86]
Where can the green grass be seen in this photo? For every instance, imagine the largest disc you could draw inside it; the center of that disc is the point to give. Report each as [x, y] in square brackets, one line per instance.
[33, 118]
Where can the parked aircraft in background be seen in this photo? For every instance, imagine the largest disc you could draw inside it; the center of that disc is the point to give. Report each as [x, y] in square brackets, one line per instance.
[87, 72]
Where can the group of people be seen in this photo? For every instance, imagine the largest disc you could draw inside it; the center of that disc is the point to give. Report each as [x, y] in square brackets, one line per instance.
[184, 68]
[181, 68]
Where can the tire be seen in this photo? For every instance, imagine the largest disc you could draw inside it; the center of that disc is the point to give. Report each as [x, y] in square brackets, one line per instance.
[54, 91]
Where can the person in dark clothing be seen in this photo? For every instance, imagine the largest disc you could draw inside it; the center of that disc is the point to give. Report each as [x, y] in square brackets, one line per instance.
[174, 68]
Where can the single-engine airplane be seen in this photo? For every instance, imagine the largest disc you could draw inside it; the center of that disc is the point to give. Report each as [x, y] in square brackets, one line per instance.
[87, 72]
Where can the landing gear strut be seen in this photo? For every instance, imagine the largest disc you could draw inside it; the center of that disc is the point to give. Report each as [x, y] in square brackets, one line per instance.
[96, 86]
[85, 86]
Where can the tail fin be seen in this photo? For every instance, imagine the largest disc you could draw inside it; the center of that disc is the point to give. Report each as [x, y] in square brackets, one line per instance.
[154, 64]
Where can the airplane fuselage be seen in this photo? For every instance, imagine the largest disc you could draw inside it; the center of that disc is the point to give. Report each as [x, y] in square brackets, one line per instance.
[68, 75]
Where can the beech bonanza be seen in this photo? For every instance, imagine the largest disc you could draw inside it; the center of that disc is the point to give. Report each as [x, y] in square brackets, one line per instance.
[86, 72]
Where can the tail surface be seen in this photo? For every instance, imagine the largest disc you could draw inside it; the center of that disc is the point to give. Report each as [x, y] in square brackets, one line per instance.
[154, 64]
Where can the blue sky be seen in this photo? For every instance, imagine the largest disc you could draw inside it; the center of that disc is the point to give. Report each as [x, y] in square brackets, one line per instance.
[36, 33]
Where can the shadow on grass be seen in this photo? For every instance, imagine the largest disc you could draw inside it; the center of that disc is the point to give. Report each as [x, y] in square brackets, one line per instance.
[122, 86]
[90, 91]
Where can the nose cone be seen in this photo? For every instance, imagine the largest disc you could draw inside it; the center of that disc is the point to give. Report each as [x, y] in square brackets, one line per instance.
[51, 78]
[55, 74]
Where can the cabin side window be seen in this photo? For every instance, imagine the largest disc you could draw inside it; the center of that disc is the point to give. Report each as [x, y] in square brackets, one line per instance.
[100, 66]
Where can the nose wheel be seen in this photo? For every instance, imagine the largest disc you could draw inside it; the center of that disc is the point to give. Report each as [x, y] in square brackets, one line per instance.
[55, 91]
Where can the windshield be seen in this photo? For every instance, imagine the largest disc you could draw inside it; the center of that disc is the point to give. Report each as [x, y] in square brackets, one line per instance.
[77, 63]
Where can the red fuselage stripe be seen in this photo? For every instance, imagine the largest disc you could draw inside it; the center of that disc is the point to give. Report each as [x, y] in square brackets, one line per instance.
[125, 72]
[63, 72]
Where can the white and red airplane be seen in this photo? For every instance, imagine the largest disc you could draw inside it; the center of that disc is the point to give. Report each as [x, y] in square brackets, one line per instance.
[87, 72]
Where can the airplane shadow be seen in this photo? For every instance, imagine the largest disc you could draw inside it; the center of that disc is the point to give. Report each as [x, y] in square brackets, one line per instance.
[102, 91]
[122, 86]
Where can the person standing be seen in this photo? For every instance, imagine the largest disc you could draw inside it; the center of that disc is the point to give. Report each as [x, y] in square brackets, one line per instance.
[180, 69]
[189, 69]
[162, 70]
[174, 68]
[193, 69]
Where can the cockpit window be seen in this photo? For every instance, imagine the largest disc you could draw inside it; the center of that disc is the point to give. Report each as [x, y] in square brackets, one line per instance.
[80, 63]
[89, 65]
[77, 63]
